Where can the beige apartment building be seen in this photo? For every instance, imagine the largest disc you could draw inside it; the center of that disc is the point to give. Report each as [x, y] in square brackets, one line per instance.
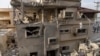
[7, 28]
[6, 20]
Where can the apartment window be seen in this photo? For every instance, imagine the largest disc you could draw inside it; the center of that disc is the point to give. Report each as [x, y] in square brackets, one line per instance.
[64, 31]
[34, 54]
[68, 15]
[52, 40]
[81, 30]
[65, 48]
[32, 31]
[9, 22]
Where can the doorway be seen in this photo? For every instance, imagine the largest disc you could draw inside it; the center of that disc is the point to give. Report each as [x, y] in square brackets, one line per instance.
[52, 53]
[33, 54]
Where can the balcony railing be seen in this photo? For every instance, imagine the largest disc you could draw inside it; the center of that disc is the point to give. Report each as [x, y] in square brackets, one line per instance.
[4, 18]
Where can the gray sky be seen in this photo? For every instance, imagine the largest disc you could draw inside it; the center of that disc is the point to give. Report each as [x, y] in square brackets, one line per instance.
[88, 3]
[5, 3]
[85, 3]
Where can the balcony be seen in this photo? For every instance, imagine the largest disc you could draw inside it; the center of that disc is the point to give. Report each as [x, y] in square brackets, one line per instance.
[45, 3]
[61, 3]
[4, 18]
[26, 3]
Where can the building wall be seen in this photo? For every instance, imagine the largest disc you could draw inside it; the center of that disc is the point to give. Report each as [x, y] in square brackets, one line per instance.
[50, 30]
[28, 45]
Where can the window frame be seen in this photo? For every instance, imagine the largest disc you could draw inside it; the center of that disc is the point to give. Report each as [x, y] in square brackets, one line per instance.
[33, 35]
[66, 48]
[52, 38]
[64, 30]
[71, 16]
[82, 33]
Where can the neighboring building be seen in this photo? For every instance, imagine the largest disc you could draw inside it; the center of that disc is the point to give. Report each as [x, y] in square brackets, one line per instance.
[50, 27]
[6, 20]
[7, 29]
[90, 13]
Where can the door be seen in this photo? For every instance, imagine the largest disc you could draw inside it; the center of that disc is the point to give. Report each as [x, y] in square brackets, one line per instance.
[52, 53]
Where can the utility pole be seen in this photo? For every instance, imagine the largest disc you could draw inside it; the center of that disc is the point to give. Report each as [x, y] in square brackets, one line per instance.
[97, 8]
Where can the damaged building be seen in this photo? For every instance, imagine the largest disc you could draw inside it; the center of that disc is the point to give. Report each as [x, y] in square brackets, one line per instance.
[50, 27]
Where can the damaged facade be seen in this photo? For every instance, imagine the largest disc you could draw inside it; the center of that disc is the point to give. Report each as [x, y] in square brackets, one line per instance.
[50, 27]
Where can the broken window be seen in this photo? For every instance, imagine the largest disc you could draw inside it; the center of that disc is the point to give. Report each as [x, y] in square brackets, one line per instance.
[81, 30]
[32, 31]
[34, 54]
[52, 41]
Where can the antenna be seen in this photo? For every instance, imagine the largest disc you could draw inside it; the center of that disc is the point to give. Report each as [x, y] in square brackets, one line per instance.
[97, 7]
